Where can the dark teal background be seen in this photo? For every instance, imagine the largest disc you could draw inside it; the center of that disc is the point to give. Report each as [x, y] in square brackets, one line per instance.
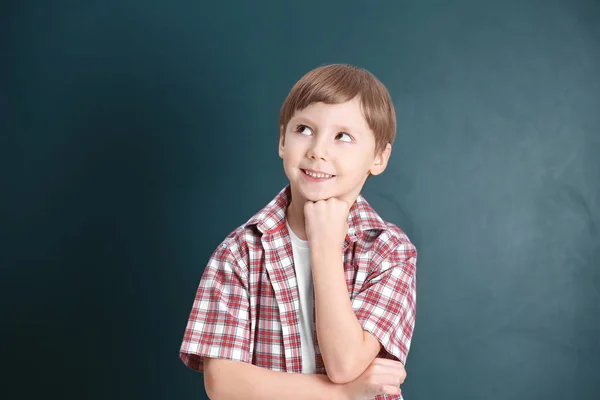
[137, 134]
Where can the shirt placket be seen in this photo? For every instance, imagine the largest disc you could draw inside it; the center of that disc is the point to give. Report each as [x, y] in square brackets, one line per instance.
[285, 288]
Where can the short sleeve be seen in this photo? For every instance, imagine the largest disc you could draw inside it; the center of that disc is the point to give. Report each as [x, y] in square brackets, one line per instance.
[385, 306]
[218, 325]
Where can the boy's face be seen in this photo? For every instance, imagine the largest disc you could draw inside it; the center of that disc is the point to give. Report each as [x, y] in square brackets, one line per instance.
[328, 150]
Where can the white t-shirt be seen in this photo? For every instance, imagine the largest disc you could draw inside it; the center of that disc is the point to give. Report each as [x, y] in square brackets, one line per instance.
[301, 253]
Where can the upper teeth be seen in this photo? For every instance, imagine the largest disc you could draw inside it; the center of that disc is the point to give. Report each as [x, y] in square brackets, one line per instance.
[316, 175]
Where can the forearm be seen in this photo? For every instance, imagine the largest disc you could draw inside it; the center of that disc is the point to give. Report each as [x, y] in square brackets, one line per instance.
[231, 380]
[341, 337]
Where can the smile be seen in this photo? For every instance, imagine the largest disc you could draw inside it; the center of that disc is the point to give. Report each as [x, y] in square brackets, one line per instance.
[317, 175]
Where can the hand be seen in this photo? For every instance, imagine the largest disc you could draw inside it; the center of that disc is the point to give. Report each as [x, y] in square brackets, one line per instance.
[326, 223]
[382, 376]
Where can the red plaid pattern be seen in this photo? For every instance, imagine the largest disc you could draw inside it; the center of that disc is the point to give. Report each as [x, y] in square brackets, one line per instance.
[247, 305]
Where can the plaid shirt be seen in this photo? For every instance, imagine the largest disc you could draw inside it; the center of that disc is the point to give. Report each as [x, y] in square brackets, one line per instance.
[247, 305]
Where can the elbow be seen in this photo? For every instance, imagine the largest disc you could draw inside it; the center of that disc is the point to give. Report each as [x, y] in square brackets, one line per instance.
[338, 378]
[342, 374]
[212, 383]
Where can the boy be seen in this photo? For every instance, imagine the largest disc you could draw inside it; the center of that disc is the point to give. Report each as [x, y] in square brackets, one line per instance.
[313, 297]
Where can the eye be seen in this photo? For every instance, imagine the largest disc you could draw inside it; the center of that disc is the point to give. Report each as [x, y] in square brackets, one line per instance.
[344, 137]
[303, 130]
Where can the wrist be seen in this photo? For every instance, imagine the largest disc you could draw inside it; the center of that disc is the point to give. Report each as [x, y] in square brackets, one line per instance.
[323, 250]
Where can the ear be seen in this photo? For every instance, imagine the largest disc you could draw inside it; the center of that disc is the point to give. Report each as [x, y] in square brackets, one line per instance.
[281, 140]
[381, 160]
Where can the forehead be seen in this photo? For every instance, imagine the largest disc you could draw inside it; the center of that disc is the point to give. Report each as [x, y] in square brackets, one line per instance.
[348, 114]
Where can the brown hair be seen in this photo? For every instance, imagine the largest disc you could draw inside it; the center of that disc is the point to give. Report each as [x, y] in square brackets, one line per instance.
[338, 83]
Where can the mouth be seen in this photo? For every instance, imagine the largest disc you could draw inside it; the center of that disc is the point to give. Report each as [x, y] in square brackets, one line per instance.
[316, 175]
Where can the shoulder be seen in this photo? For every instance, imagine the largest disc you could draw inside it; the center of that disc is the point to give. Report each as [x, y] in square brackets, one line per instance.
[384, 240]
[371, 228]
[387, 255]
[395, 236]
[245, 240]
[390, 241]
[236, 247]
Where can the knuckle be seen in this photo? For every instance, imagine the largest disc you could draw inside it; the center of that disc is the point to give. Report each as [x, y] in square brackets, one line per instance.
[402, 377]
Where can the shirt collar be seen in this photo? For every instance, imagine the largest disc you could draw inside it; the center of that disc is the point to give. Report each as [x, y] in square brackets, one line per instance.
[362, 217]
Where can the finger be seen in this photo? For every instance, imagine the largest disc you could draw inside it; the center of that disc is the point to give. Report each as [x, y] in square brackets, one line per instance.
[392, 379]
[337, 200]
[346, 205]
[387, 374]
[391, 390]
[387, 362]
[383, 360]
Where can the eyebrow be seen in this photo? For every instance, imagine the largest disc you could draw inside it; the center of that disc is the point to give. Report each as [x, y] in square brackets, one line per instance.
[341, 128]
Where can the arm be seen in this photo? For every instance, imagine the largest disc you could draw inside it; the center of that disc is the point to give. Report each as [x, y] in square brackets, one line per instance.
[346, 348]
[219, 323]
[380, 317]
[252, 382]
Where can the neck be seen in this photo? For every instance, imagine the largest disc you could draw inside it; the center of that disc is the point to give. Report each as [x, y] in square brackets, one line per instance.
[295, 217]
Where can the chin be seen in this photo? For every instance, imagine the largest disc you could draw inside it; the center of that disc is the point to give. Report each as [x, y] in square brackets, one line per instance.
[316, 195]
[316, 198]
[312, 196]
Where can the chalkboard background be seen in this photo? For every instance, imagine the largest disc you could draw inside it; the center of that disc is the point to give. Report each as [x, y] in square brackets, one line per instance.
[136, 134]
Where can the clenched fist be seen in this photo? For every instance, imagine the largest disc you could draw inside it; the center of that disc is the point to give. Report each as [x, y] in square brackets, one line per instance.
[326, 223]
[383, 376]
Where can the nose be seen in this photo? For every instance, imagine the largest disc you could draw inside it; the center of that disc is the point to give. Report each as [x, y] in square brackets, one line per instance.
[318, 150]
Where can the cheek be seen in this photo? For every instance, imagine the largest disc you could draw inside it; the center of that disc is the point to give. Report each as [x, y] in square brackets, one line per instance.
[293, 151]
[358, 169]
[353, 161]
[290, 159]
